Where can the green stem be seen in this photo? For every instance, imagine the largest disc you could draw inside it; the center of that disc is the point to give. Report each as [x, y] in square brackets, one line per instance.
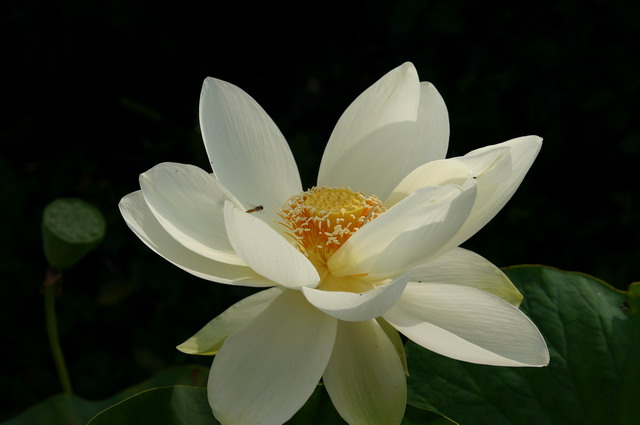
[50, 286]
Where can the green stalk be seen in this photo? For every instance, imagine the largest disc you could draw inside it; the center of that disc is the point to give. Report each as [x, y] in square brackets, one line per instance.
[50, 286]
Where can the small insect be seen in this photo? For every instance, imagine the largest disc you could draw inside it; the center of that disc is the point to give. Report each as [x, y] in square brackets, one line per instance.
[256, 209]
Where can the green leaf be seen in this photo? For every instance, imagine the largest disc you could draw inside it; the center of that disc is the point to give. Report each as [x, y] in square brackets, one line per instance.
[181, 405]
[419, 416]
[71, 228]
[593, 376]
[160, 406]
[63, 409]
[320, 411]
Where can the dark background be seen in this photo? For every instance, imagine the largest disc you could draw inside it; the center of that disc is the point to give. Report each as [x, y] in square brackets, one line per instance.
[96, 92]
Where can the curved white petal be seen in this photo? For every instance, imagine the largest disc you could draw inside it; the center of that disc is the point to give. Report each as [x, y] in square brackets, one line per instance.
[266, 371]
[408, 234]
[365, 378]
[381, 115]
[248, 153]
[208, 340]
[396, 340]
[496, 186]
[266, 251]
[499, 169]
[463, 267]
[188, 202]
[392, 128]
[468, 324]
[450, 171]
[377, 162]
[356, 307]
[432, 125]
[141, 220]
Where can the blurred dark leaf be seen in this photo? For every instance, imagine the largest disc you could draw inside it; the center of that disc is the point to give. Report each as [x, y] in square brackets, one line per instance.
[593, 376]
[179, 405]
[63, 409]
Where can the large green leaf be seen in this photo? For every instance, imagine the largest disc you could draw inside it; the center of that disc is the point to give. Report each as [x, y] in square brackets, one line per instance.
[63, 409]
[419, 416]
[182, 405]
[593, 334]
[161, 406]
[320, 411]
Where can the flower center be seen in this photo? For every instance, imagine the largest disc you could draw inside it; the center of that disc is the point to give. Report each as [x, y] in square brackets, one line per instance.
[321, 219]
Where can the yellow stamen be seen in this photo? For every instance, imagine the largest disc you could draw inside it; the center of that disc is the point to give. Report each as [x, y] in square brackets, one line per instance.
[321, 219]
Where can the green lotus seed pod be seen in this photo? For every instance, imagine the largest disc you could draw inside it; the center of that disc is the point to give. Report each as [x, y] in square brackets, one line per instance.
[71, 228]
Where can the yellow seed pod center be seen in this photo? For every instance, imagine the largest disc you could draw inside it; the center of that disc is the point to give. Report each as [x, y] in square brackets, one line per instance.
[321, 219]
[335, 202]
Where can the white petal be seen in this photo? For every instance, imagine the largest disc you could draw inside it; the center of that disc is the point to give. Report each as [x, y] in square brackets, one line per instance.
[396, 340]
[141, 220]
[462, 267]
[432, 125]
[379, 118]
[468, 324]
[499, 170]
[188, 202]
[208, 340]
[406, 235]
[450, 171]
[356, 307]
[365, 378]
[248, 153]
[496, 186]
[266, 251]
[266, 371]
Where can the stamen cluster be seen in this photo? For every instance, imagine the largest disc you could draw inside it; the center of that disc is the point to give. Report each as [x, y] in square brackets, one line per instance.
[321, 219]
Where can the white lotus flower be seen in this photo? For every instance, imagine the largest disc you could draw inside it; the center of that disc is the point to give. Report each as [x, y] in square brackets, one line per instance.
[372, 250]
